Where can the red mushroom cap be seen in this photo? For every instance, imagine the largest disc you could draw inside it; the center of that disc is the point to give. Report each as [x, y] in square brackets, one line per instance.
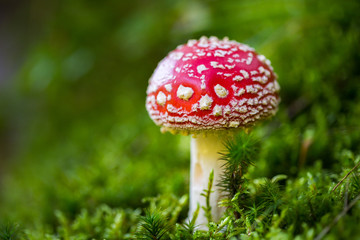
[212, 84]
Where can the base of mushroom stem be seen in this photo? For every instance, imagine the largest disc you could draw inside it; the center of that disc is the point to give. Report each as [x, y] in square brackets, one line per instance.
[205, 157]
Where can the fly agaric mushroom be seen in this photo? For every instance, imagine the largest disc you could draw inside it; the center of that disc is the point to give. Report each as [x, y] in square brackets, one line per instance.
[204, 88]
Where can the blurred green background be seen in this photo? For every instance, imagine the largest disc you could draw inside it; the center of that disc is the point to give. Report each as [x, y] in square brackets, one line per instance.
[74, 132]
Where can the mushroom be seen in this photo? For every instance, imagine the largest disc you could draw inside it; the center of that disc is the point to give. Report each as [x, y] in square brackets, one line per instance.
[207, 88]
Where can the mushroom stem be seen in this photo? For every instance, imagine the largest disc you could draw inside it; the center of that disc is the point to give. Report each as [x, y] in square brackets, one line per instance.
[205, 158]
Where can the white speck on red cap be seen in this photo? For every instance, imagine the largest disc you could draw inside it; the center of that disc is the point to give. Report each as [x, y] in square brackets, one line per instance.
[211, 84]
[230, 66]
[216, 65]
[217, 111]
[168, 87]
[244, 73]
[184, 92]
[253, 72]
[161, 98]
[205, 102]
[238, 78]
[220, 53]
[201, 68]
[227, 109]
[220, 91]
[240, 92]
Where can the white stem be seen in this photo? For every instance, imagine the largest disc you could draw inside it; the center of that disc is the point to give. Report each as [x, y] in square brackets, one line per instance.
[204, 158]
